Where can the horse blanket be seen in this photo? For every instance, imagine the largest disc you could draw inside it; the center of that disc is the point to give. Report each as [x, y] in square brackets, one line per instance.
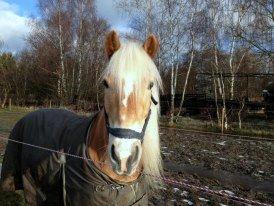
[55, 180]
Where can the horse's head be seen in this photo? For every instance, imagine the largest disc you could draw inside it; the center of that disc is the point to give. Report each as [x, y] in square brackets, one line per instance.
[131, 82]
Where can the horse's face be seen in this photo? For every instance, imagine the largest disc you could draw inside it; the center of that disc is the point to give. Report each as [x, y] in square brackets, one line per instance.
[126, 110]
[126, 113]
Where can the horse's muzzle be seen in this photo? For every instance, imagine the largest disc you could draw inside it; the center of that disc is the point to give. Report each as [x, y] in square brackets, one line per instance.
[125, 155]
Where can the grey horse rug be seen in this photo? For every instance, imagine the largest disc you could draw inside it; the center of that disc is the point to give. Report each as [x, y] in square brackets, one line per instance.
[49, 178]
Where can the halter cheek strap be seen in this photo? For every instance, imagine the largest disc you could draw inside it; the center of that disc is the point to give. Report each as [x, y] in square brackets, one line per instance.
[129, 133]
[153, 100]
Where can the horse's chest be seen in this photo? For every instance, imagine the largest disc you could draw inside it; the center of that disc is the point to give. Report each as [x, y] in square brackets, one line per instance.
[88, 186]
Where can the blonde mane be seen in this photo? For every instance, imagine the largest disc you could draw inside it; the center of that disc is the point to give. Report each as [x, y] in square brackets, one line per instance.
[131, 63]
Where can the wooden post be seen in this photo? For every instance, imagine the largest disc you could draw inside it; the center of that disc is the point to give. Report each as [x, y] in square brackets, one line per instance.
[10, 104]
[49, 103]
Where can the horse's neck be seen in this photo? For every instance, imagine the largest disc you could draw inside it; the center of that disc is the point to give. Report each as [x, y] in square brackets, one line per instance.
[97, 148]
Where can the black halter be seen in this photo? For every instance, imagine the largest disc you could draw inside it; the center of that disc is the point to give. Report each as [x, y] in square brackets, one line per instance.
[129, 133]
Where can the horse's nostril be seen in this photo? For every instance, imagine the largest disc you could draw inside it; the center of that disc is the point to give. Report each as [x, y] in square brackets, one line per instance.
[132, 160]
[113, 154]
[136, 154]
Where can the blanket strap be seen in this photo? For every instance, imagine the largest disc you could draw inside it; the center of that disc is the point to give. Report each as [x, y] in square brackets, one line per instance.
[62, 162]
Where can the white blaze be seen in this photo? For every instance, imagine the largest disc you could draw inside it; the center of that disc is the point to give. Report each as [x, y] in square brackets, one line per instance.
[128, 89]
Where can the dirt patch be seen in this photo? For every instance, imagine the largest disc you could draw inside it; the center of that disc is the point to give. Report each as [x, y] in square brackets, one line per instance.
[238, 157]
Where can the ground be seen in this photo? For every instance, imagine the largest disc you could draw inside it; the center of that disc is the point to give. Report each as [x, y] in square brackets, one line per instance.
[233, 165]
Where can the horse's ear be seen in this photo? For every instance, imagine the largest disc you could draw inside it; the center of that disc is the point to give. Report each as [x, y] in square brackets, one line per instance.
[151, 46]
[112, 43]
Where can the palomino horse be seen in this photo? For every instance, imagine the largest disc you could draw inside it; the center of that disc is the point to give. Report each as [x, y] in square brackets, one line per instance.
[118, 148]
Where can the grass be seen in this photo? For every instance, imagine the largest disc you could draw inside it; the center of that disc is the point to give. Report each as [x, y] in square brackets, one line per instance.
[9, 118]
[251, 127]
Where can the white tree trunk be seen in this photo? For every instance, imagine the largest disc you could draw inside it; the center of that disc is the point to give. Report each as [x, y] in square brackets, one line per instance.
[5, 99]
[220, 80]
[80, 48]
[232, 70]
[216, 97]
[232, 83]
[240, 114]
[186, 82]
[62, 81]
[171, 121]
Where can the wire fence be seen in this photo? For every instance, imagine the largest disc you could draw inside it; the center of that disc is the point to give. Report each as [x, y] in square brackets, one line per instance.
[235, 136]
[183, 184]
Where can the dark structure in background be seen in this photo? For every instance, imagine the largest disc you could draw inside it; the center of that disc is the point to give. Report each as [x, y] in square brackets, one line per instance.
[200, 104]
[255, 96]
[268, 95]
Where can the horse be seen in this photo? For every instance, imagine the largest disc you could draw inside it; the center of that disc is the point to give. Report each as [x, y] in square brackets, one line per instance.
[110, 158]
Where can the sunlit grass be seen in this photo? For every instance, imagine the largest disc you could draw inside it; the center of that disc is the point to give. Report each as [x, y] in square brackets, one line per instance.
[254, 127]
[251, 127]
[9, 117]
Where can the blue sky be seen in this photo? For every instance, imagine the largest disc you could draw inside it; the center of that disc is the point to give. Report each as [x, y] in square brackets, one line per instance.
[25, 7]
[15, 15]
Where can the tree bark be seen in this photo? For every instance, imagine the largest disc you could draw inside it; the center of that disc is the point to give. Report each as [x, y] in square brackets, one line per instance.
[61, 82]
[80, 49]
[5, 99]
[240, 113]
[171, 121]
[220, 80]
[186, 82]
[232, 71]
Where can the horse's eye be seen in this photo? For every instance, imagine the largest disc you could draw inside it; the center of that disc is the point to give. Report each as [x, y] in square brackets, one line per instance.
[105, 84]
[150, 85]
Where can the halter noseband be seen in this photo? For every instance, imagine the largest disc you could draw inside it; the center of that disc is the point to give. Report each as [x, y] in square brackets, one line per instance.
[129, 133]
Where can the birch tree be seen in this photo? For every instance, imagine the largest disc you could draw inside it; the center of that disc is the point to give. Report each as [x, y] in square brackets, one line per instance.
[234, 20]
[54, 27]
[215, 13]
[61, 81]
[72, 35]
[174, 11]
[193, 30]
[258, 29]
[7, 70]
[165, 19]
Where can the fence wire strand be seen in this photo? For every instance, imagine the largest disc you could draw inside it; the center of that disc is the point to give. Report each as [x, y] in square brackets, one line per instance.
[235, 136]
[184, 184]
